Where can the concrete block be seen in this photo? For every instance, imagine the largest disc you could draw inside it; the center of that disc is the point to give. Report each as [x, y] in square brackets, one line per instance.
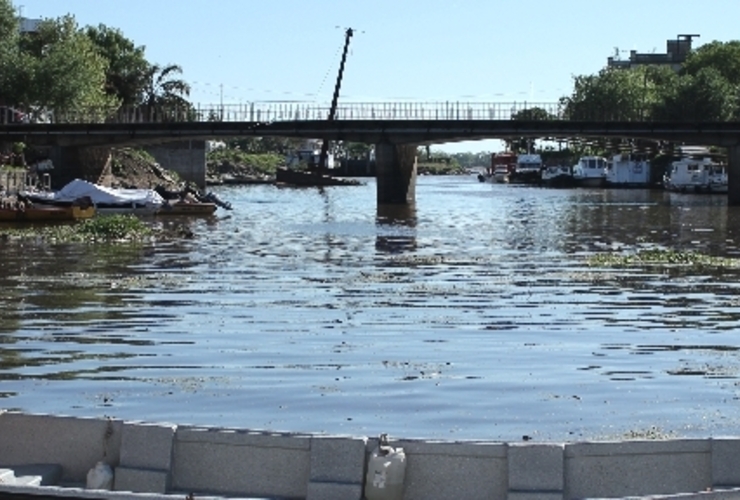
[536, 467]
[438, 470]
[338, 459]
[141, 480]
[146, 446]
[241, 463]
[637, 468]
[535, 495]
[725, 461]
[318, 490]
[76, 443]
[480, 449]
[239, 437]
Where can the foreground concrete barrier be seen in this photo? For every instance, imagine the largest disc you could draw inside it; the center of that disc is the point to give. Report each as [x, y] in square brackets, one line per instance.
[162, 460]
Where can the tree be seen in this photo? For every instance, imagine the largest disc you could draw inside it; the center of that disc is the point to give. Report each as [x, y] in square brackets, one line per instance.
[160, 88]
[69, 71]
[127, 66]
[722, 56]
[56, 68]
[706, 96]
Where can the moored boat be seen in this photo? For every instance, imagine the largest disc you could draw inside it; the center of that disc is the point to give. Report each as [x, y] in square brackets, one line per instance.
[557, 176]
[107, 201]
[289, 177]
[691, 175]
[184, 207]
[590, 171]
[628, 170]
[33, 213]
[528, 169]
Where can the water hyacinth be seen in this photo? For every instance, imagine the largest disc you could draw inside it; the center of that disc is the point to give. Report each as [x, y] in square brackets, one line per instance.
[122, 228]
[661, 257]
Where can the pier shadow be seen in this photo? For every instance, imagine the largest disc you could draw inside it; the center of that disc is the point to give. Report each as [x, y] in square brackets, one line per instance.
[396, 225]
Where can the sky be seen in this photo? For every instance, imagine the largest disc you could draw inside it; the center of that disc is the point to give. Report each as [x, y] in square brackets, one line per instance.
[492, 51]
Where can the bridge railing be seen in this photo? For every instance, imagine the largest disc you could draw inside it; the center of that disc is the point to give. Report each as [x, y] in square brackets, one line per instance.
[276, 111]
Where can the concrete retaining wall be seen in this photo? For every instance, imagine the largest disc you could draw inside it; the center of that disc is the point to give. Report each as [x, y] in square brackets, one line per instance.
[169, 459]
[187, 158]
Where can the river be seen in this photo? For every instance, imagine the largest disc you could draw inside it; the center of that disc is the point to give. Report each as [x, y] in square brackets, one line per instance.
[473, 315]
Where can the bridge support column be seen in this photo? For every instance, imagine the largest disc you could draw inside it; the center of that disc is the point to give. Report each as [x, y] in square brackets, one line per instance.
[79, 162]
[395, 172]
[733, 175]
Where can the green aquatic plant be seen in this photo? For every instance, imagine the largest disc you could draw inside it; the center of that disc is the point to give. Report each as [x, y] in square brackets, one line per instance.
[660, 257]
[121, 228]
[114, 227]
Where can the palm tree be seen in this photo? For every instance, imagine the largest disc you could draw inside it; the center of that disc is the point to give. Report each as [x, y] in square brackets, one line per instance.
[161, 93]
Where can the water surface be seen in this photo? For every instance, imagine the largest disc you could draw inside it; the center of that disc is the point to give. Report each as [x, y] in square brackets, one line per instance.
[473, 315]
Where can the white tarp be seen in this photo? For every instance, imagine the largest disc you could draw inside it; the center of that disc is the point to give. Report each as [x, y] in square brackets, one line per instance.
[104, 195]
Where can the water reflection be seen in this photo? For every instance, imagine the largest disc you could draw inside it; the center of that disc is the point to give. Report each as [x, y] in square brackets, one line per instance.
[396, 228]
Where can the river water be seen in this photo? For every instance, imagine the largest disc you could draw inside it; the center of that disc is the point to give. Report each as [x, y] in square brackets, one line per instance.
[473, 315]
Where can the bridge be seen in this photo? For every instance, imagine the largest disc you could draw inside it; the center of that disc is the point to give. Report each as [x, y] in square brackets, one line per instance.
[396, 129]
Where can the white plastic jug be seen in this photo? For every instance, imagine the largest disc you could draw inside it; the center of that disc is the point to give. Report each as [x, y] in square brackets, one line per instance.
[386, 470]
[100, 477]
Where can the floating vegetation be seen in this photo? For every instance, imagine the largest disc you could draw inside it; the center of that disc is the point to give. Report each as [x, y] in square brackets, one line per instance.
[108, 229]
[661, 257]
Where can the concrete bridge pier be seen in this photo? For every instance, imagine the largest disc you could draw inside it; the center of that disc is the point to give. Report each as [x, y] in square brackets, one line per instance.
[78, 162]
[395, 171]
[733, 175]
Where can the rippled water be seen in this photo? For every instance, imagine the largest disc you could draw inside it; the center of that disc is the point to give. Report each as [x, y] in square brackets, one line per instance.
[473, 315]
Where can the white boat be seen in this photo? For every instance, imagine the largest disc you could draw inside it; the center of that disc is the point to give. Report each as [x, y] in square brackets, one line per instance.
[628, 170]
[692, 175]
[528, 169]
[107, 201]
[590, 171]
[557, 176]
[502, 165]
[308, 155]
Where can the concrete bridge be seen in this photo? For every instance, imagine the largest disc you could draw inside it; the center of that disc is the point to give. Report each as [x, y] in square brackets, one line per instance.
[396, 129]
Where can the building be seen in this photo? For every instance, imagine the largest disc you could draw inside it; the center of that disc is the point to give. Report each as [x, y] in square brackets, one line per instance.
[676, 52]
[29, 25]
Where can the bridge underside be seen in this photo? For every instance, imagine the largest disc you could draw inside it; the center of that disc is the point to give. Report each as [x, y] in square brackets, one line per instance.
[368, 131]
[395, 139]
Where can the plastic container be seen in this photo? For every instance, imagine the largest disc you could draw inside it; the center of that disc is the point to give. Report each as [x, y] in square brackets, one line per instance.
[386, 470]
[100, 477]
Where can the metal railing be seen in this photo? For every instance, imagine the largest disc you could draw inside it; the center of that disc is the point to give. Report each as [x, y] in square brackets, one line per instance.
[274, 111]
[297, 111]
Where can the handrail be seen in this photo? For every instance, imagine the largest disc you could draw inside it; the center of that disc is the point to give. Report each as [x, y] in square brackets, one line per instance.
[297, 111]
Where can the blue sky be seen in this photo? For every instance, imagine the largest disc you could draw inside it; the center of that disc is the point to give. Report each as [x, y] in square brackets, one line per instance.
[416, 50]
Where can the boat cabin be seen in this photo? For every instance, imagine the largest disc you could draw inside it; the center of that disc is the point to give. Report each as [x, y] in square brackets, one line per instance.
[696, 175]
[628, 170]
[308, 155]
[503, 162]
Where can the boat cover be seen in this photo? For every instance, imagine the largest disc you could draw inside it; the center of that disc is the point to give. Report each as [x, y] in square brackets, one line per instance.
[101, 195]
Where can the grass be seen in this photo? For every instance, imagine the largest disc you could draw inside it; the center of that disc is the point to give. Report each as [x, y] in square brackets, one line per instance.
[661, 257]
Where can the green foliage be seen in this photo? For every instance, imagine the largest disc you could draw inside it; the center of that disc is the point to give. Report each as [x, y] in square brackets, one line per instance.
[106, 229]
[114, 227]
[707, 89]
[724, 57]
[707, 95]
[56, 68]
[260, 163]
[162, 89]
[265, 145]
[127, 64]
[68, 70]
